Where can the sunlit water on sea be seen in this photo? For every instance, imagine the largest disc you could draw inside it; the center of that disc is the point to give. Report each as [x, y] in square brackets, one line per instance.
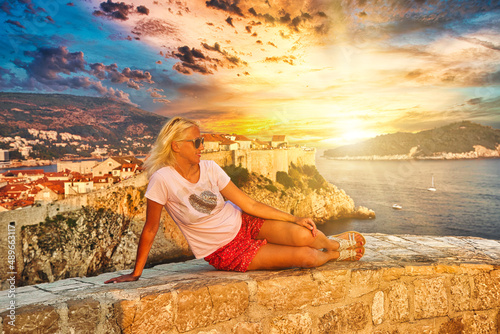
[466, 203]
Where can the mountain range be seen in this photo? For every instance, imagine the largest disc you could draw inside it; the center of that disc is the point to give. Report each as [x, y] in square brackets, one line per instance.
[457, 137]
[93, 118]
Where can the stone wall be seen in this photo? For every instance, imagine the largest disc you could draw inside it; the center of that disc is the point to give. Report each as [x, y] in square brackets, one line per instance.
[264, 162]
[404, 284]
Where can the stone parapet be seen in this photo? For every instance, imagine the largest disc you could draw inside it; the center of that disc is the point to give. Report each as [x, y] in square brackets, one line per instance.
[404, 284]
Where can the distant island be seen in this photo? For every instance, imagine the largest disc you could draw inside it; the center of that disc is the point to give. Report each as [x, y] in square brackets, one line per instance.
[462, 140]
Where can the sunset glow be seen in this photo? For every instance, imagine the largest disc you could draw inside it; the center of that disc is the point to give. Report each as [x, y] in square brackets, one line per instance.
[324, 73]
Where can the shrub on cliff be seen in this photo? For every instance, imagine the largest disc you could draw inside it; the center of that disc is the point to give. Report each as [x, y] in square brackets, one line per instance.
[238, 175]
[284, 179]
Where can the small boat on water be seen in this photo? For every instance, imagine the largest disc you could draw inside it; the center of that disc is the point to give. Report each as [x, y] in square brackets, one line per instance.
[432, 188]
[397, 207]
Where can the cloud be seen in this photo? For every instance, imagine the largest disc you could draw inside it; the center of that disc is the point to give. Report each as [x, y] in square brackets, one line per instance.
[155, 27]
[49, 62]
[232, 59]
[477, 41]
[48, 66]
[16, 23]
[114, 10]
[285, 59]
[128, 76]
[112, 93]
[164, 101]
[187, 68]
[5, 7]
[143, 10]
[227, 6]
[475, 101]
[267, 17]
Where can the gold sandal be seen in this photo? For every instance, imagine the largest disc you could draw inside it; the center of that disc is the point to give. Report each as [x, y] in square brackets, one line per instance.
[349, 243]
[349, 255]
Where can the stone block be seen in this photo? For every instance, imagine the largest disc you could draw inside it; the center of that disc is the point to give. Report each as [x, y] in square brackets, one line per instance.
[332, 286]
[390, 274]
[398, 307]
[109, 325]
[345, 319]
[32, 319]
[364, 281]
[194, 309]
[460, 293]
[229, 301]
[153, 312]
[83, 315]
[285, 293]
[475, 268]
[419, 270]
[472, 323]
[378, 308]
[448, 269]
[452, 326]
[292, 324]
[485, 292]
[247, 328]
[430, 298]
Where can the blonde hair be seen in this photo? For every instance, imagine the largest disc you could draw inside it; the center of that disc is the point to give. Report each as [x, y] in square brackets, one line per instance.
[161, 154]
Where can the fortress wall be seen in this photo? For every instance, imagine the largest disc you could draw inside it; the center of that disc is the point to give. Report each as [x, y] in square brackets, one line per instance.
[404, 284]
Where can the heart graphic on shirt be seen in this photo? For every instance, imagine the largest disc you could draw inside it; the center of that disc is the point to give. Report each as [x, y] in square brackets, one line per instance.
[204, 203]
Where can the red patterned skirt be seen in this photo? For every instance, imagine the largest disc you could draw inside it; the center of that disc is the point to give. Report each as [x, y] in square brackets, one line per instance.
[239, 253]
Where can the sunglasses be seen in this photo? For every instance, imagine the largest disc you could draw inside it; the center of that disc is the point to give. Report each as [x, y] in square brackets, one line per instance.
[196, 142]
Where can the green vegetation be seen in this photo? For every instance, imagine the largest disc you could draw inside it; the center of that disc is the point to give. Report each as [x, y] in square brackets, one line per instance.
[455, 138]
[284, 179]
[238, 175]
[271, 188]
[302, 177]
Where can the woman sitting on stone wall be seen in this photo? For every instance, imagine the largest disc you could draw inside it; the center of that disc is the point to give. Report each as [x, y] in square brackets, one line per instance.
[239, 234]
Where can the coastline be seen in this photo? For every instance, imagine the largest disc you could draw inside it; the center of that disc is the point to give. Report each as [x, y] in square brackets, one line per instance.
[406, 157]
[480, 152]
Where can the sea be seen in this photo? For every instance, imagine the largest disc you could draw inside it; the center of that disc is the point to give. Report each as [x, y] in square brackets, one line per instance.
[466, 201]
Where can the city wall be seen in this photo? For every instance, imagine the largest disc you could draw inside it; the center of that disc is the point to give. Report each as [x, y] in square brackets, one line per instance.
[403, 284]
[265, 162]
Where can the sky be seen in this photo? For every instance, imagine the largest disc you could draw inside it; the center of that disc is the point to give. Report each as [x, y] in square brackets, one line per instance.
[323, 72]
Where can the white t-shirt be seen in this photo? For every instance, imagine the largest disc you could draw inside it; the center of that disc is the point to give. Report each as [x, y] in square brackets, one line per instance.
[205, 219]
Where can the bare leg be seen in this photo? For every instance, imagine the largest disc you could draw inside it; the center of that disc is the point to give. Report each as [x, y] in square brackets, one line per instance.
[285, 233]
[272, 256]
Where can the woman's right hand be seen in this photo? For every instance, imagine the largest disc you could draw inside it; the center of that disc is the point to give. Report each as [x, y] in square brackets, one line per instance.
[123, 278]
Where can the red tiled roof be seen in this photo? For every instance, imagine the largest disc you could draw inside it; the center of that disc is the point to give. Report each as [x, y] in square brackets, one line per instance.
[55, 186]
[211, 137]
[18, 204]
[241, 138]
[278, 138]
[227, 142]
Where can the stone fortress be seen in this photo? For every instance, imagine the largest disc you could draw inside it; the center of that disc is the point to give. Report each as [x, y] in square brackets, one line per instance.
[403, 284]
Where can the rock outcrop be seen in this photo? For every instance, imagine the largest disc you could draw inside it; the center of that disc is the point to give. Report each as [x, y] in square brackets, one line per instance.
[324, 204]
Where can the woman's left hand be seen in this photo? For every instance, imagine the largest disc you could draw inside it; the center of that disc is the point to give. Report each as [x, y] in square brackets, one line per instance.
[307, 223]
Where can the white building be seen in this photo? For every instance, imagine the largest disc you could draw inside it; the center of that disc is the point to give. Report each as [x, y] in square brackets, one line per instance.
[4, 156]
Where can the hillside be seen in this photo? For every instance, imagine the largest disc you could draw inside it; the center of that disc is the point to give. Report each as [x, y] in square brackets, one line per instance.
[93, 118]
[458, 137]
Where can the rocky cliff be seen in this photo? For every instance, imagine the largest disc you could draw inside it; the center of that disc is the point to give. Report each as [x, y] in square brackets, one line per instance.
[323, 204]
[103, 235]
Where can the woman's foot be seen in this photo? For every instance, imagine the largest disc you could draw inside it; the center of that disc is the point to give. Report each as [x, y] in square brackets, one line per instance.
[346, 240]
